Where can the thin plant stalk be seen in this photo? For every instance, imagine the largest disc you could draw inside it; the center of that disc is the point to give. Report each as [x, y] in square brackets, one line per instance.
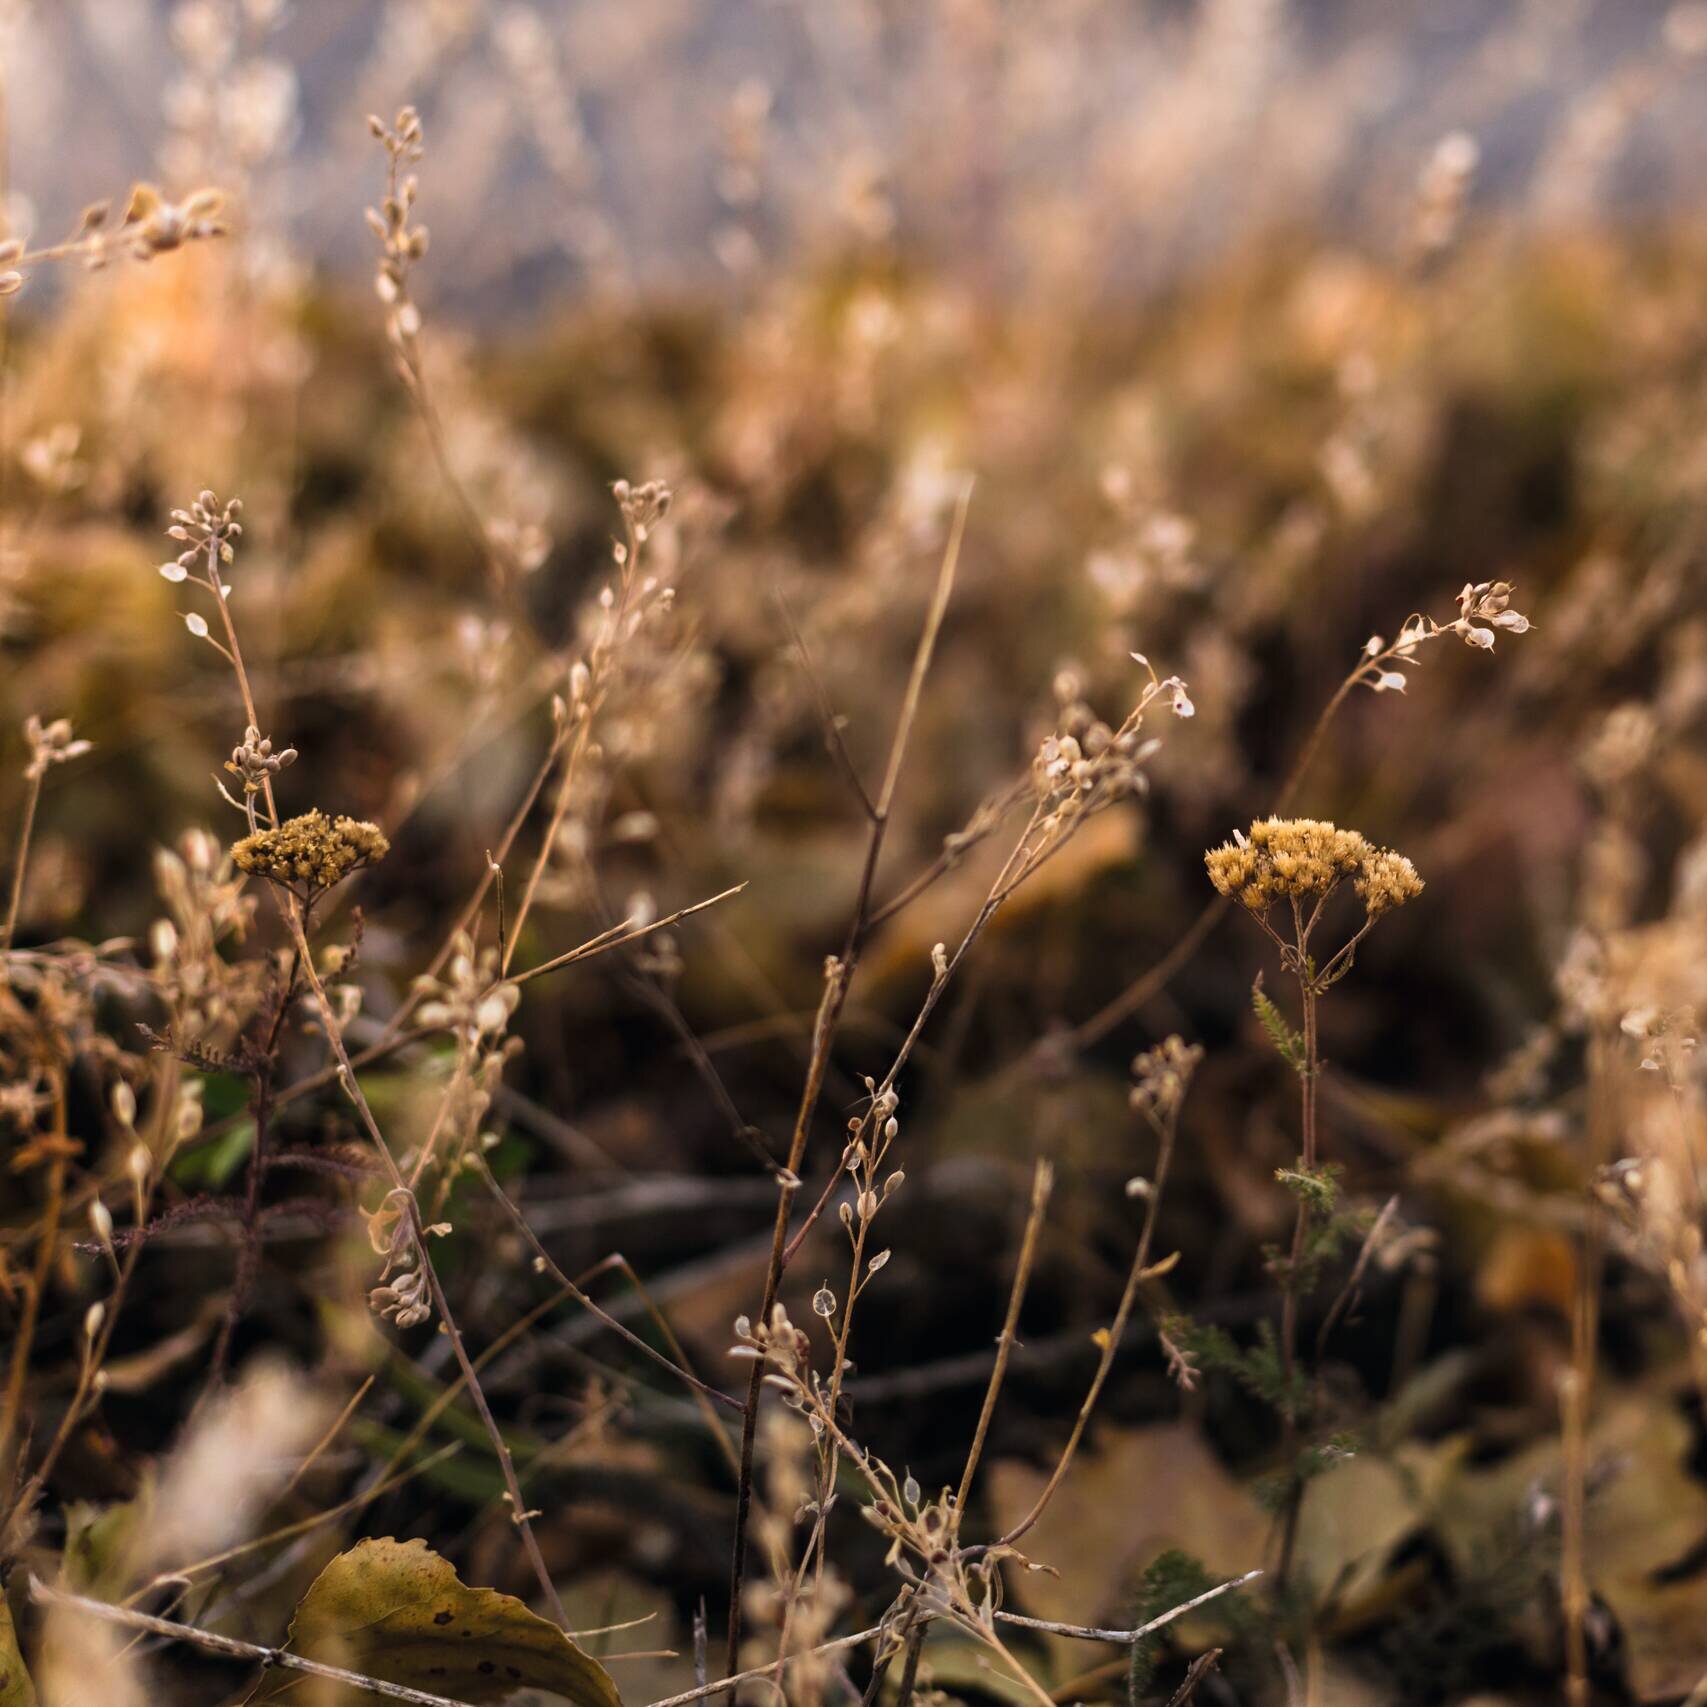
[836, 984]
[21, 861]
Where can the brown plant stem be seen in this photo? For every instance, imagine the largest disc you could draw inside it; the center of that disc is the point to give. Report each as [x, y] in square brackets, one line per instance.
[21, 859]
[1111, 1337]
[1042, 1183]
[838, 978]
[1289, 1306]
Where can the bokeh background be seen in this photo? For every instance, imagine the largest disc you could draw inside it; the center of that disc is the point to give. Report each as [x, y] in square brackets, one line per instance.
[1258, 326]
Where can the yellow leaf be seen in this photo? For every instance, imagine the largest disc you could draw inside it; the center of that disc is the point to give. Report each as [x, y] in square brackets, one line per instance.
[16, 1690]
[396, 1611]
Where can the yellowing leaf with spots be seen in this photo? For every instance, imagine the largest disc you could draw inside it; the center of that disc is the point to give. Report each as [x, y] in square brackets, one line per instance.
[16, 1689]
[396, 1611]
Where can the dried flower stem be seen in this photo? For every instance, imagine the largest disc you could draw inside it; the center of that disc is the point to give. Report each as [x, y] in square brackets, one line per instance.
[706, 1396]
[405, 1197]
[1090, 1633]
[89, 1376]
[294, 915]
[1042, 1183]
[21, 859]
[1167, 1130]
[835, 1645]
[839, 977]
[1289, 1302]
[620, 936]
[1576, 1384]
[1373, 669]
[26, 1329]
[403, 246]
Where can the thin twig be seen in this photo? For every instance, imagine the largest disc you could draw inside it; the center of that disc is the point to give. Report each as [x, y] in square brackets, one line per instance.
[21, 860]
[839, 977]
[706, 1395]
[1042, 1183]
[835, 1645]
[1090, 1633]
[1200, 1669]
[1167, 1130]
[619, 936]
[833, 741]
[229, 1645]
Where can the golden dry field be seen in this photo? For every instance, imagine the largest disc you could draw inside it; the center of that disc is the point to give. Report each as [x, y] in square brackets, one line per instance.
[899, 897]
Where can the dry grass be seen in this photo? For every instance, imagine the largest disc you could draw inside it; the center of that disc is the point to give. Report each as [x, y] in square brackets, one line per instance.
[689, 1050]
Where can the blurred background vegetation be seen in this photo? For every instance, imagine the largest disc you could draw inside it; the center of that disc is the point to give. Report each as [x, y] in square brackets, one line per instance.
[1258, 327]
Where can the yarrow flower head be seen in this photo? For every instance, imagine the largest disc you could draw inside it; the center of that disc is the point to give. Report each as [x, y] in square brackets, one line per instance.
[311, 853]
[1387, 880]
[1295, 858]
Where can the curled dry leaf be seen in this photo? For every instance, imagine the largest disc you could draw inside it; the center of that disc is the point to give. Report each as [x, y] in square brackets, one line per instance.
[397, 1611]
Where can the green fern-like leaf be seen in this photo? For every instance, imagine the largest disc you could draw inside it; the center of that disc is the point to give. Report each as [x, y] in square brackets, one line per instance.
[1288, 1044]
[1172, 1577]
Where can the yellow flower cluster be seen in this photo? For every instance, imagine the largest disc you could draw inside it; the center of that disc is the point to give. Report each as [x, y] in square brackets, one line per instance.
[1298, 857]
[311, 852]
[1387, 880]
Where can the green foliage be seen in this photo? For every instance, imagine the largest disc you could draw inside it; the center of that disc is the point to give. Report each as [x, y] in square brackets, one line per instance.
[213, 1165]
[1316, 1188]
[1288, 1044]
[1172, 1577]
[1258, 1368]
[1327, 1228]
[1274, 1490]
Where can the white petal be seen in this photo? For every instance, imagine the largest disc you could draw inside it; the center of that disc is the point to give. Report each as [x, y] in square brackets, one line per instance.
[197, 625]
[173, 571]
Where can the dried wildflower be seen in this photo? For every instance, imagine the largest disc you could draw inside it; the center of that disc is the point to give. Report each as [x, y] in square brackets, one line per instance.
[1482, 607]
[468, 1000]
[1292, 857]
[1387, 880]
[311, 853]
[50, 744]
[401, 243]
[254, 760]
[152, 225]
[1487, 602]
[207, 528]
[407, 1300]
[643, 507]
[1161, 1076]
